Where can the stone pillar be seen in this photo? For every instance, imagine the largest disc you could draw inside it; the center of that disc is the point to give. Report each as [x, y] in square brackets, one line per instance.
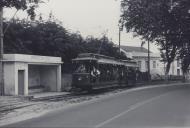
[59, 78]
[26, 80]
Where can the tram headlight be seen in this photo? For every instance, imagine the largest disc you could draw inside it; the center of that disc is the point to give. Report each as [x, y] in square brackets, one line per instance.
[80, 78]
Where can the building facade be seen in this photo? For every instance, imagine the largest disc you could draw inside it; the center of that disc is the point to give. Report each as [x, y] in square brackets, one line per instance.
[140, 54]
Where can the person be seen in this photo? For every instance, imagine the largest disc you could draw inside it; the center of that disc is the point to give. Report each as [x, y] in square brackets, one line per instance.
[95, 73]
[81, 69]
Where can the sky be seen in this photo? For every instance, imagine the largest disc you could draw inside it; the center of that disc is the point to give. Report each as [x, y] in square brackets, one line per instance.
[89, 17]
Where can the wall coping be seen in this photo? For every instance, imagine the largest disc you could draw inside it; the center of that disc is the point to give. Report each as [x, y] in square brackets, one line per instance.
[31, 58]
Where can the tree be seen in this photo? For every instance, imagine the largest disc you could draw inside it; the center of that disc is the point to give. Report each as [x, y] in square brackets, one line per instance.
[28, 5]
[162, 22]
[50, 38]
[168, 54]
[184, 52]
[185, 59]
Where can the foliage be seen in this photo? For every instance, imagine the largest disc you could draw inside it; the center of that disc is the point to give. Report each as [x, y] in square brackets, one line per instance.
[28, 5]
[164, 22]
[185, 58]
[51, 39]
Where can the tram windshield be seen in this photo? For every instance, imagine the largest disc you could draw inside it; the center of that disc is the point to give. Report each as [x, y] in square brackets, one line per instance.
[82, 68]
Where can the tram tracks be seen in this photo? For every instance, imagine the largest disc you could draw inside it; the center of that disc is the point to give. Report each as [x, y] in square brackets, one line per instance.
[84, 95]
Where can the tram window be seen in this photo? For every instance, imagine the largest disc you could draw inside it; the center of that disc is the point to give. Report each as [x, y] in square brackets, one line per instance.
[82, 68]
[102, 69]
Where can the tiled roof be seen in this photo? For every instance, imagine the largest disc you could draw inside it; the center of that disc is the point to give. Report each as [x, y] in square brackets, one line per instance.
[134, 49]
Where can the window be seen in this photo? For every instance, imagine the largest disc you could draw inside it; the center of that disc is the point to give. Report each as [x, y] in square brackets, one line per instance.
[178, 72]
[146, 65]
[154, 64]
[178, 63]
[139, 64]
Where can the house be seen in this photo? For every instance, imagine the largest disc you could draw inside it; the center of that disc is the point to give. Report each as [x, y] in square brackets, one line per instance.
[140, 54]
[26, 74]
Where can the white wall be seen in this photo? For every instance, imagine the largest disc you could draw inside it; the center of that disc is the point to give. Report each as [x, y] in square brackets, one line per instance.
[160, 66]
[9, 78]
[144, 68]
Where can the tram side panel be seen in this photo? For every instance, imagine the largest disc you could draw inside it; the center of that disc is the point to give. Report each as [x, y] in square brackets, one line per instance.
[110, 76]
[131, 76]
[105, 76]
[81, 80]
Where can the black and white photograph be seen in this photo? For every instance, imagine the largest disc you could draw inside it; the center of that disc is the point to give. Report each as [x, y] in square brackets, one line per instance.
[94, 63]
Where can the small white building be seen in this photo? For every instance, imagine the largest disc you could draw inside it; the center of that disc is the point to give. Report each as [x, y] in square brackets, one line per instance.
[140, 54]
[25, 73]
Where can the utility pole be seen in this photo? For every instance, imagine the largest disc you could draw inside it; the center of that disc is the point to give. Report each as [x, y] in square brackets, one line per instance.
[1, 53]
[148, 60]
[119, 40]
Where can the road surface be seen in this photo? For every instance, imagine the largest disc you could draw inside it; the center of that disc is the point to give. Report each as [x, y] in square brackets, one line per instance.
[148, 108]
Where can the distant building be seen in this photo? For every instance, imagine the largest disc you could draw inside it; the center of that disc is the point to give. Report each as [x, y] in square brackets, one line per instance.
[140, 54]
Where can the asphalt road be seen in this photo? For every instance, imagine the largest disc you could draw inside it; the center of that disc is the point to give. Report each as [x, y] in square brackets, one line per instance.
[148, 108]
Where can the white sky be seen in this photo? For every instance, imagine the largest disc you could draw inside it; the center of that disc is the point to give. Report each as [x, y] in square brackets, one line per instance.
[89, 17]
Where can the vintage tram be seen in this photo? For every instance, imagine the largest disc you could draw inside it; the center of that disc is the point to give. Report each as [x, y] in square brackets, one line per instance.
[95, 71]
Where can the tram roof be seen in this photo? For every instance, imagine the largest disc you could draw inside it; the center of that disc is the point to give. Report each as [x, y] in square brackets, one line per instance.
[84, 58]
[104, 59]
[93, 55]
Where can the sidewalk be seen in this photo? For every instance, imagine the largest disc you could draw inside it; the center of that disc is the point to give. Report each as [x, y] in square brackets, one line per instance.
[48, 95]
[11, 103]
[23, 108]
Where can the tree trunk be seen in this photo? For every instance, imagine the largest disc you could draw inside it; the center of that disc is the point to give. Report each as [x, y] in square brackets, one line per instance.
[185, 66]
[167, 71]
[184, 77]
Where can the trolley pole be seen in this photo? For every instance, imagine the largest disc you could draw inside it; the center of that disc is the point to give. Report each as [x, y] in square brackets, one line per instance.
[1, 53]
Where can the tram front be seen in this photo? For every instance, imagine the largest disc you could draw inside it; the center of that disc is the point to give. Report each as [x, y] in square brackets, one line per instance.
[81, 78]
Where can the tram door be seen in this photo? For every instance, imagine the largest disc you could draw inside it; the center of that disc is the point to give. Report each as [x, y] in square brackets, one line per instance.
[20, 82]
